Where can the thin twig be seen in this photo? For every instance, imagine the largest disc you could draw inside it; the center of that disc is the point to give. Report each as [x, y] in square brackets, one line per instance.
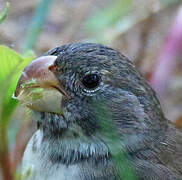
[4, 155]
[36, 25]
[145, 30]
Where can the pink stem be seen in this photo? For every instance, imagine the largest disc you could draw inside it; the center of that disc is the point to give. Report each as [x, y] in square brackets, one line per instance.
[167, 58]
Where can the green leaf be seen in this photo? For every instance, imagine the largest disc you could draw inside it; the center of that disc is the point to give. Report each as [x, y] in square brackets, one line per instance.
[108, 16]
[3, 15]
[11, 67]
[9, 60]
[169, 2]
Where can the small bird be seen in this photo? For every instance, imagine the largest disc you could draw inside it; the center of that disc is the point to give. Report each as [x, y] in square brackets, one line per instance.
[97, 119]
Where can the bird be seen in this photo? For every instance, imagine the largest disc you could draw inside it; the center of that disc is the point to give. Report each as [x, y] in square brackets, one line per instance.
[97, 119]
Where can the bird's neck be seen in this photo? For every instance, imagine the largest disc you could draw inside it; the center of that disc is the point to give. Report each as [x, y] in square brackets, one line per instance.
[67, 143]
[68, 149]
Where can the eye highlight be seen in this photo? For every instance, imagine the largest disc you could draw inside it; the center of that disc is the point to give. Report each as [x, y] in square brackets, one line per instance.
[91, 81]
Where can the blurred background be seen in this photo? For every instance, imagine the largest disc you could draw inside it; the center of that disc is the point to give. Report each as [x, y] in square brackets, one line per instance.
[148, 32]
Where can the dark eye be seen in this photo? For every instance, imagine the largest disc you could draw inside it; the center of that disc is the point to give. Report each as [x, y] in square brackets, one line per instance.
[91, 81]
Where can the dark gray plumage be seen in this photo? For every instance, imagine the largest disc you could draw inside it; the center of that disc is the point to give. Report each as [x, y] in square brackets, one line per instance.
[120, 114]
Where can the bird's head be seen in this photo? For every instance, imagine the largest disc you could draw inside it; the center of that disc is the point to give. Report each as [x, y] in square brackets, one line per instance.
[78, 84]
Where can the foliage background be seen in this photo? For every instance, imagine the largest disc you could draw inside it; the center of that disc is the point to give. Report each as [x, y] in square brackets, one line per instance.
[140, 29]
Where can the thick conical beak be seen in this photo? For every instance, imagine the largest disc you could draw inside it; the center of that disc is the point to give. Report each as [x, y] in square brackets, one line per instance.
[38, 88]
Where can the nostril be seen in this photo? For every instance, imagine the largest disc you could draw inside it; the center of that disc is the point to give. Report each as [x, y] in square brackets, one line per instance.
[51, 68]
